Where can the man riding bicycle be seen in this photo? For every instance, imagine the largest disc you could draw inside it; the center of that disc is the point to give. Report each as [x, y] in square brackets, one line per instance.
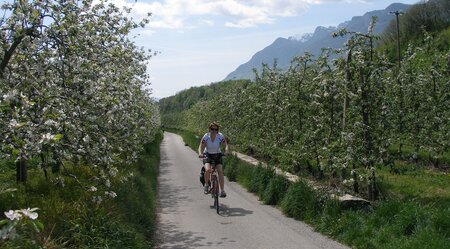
[210, 147]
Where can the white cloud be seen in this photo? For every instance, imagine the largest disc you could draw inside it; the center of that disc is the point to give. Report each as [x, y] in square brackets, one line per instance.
[176, 14]
[206, 22]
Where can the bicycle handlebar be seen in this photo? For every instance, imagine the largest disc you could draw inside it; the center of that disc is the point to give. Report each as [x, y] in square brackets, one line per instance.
[204, 156]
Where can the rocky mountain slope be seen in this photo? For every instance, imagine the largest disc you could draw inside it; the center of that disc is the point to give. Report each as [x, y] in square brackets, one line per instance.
[284, 49]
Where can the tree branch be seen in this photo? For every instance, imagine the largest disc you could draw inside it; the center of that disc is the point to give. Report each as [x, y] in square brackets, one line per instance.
[9, 53]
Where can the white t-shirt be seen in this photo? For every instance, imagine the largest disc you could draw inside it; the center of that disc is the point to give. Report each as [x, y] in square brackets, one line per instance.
[213, 147]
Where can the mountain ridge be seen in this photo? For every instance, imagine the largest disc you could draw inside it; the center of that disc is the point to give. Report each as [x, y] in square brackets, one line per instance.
[283, 50]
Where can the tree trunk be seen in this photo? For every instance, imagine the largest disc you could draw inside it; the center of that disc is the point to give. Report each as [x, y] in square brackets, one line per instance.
[320, 173]
[355, 180]
[366, 115]
[372, 189]
[348, 78]
[21, 171]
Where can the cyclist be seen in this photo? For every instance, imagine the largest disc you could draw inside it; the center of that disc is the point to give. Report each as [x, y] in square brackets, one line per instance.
[210, 147]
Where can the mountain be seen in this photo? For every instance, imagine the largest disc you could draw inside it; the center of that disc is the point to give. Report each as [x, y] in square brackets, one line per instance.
[284, 49]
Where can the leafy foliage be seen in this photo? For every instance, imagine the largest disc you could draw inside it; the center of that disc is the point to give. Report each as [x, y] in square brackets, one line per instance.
[72, 85]
[431, 16]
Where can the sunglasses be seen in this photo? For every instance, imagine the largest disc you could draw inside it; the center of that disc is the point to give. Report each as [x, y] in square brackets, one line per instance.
[214, 129]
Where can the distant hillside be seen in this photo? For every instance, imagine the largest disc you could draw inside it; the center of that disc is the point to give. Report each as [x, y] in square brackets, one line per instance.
[187, 98]
[284, 49]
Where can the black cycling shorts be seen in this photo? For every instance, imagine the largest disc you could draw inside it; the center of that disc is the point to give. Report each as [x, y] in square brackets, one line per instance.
[216, 158]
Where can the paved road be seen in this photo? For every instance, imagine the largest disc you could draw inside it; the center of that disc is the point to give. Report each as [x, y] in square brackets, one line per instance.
[187, 219]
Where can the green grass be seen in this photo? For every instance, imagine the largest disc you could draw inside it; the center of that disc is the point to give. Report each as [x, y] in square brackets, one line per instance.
[428, 185]
[302, 202]
[388, 225]
[260, 179]
[275, 191]
[72, 220]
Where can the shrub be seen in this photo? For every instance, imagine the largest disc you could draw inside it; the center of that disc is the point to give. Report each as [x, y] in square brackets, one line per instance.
[301, 201]
[260, 179]
[329, 221]
[245, 174]
[275, 190]
[231, 168]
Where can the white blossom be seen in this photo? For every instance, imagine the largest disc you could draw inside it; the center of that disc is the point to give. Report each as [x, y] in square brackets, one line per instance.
[113, 171]
[13, 124]
[92, 189]
[47, 137]
[111, 194]
[51, 122]
[97, 200]
[60, 181]
[86, 139]
[13, 214]
[30, 213]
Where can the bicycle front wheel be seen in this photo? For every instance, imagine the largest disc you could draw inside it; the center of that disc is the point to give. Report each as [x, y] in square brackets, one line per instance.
[216, 194]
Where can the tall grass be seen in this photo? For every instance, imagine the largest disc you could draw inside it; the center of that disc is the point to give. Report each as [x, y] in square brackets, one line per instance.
[302, 202]
[260, 179]
[391, 224]
[230, 168]
[275, 190]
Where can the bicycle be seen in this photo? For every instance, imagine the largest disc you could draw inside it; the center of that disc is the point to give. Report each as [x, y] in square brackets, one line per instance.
[214, 185]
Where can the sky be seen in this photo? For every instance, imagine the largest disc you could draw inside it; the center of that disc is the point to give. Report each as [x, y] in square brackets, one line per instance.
[199, 42]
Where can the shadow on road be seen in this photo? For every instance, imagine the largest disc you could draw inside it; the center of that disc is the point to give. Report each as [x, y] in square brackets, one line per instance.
[173, 238]
[170, 196]
[232, 212]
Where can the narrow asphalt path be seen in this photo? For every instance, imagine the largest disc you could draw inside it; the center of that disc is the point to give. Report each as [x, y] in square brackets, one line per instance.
[187, 219]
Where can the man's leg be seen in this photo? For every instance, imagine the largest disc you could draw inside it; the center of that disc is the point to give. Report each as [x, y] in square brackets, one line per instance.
[221, 180]
[207, 177]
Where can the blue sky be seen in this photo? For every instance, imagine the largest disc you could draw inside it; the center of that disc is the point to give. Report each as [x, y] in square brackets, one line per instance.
[201, 41]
